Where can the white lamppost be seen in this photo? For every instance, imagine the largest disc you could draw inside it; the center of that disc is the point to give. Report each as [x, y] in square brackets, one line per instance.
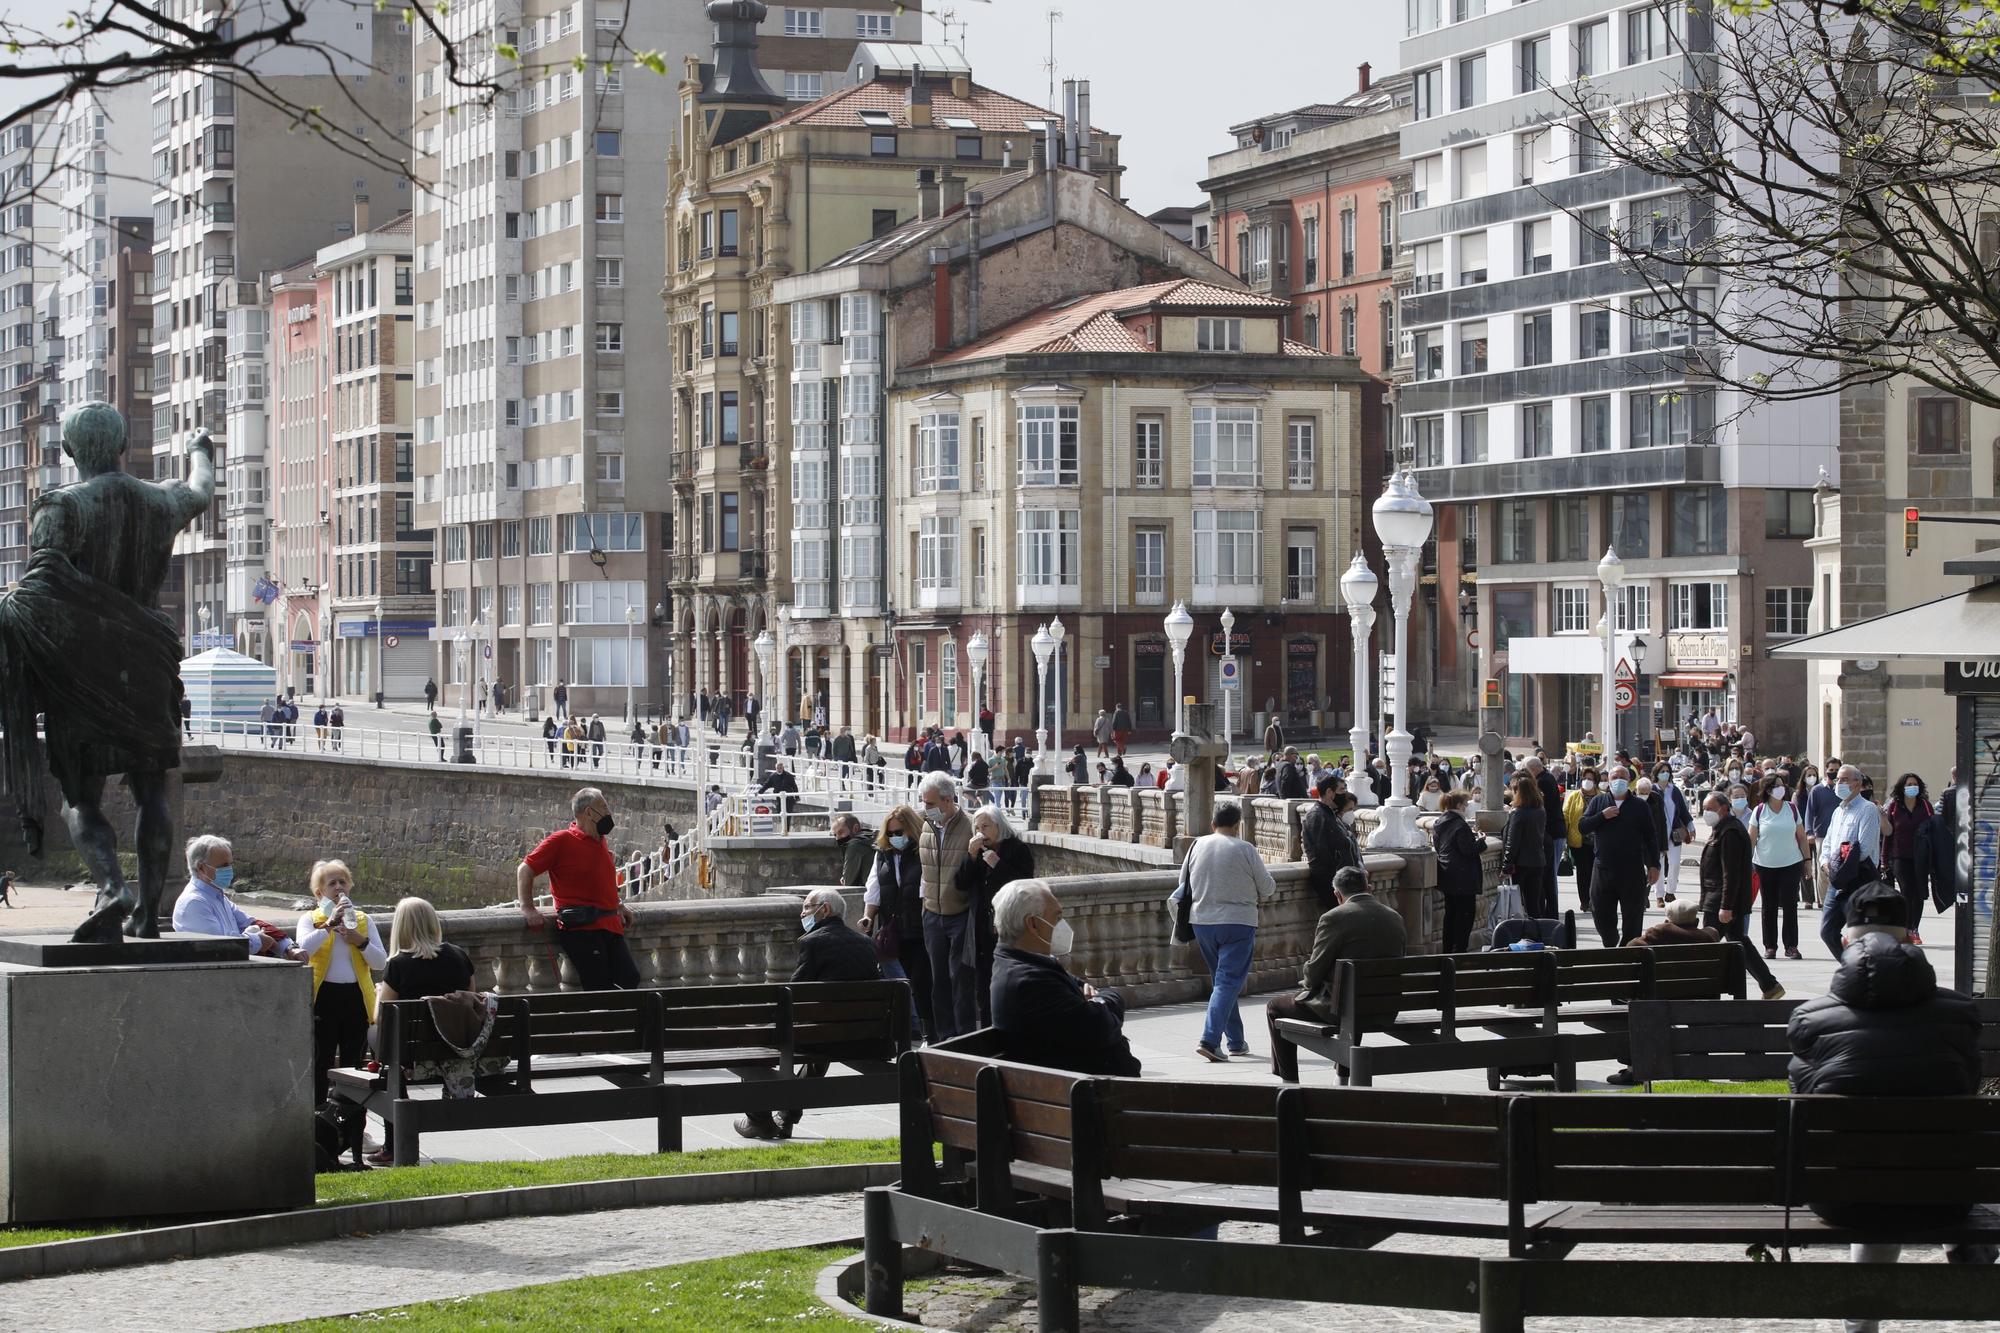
[784, 699]
[977, 651]
[1044, 645]
[1228, 695]
[700, 741]
[948, 655]
[631, 623]
[1358, 587]
[1058, 633]
[1180, 628]
[467, 634]
[1611, 573]
[1403, 522]
[766, 648]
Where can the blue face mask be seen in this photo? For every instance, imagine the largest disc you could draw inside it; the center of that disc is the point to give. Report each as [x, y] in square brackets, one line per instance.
[1739, 803]
[898, 841]
[1619, 786]
[1842, 790]
[806, 923]
[224, 876]
[1911, 792]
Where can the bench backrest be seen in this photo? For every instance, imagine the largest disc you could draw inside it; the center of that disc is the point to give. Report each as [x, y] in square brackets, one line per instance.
[1374, 991]
[525, 1028]
[1665, 972]
[856, 1018]
[1447, 1144]
[1895, 1150]
[1640, 1149]
[705, 1018]
[1743, 1039]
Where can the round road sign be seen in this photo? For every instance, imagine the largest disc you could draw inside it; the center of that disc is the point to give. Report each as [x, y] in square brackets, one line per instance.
[389, 642]
[1624, 696]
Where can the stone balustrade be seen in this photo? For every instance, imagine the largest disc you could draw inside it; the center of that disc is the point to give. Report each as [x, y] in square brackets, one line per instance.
[1156, 816]
[1121, 814]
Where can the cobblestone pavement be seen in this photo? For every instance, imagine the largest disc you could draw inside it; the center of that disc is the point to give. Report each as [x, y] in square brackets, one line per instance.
[971, 1303]
[369, 1272]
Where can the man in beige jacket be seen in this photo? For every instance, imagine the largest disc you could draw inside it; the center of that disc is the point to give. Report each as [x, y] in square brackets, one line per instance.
[942, 852]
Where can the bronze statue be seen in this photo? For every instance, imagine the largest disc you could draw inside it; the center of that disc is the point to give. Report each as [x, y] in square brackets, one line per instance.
[83, 643]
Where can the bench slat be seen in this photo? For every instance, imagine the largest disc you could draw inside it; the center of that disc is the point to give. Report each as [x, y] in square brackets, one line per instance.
[1236, 1168]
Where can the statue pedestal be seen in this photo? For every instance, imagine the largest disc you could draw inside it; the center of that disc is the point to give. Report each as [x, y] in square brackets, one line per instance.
[153, 1089]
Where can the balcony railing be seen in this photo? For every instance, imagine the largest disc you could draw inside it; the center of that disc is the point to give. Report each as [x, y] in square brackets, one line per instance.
[750, 564]
[1301, 588]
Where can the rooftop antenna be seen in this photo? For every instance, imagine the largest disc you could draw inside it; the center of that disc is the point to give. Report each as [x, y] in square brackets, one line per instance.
[1055, 17]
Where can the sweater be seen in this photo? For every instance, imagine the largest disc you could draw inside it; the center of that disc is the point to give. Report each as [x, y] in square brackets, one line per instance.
[1228, 879]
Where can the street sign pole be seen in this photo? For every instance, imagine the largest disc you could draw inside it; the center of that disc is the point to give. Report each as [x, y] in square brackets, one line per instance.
[1231, 681]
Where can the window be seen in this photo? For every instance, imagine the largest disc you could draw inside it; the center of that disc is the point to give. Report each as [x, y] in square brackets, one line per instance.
[1593, 332]
[610, 403]
[937, 555]
[937, 452]
[1427, 354]
[802, 87]
[1569, 610]
[1660, 321]
[726, 231]
[1537, 430]
[1635, 609]
[1785, 611]
[607, 143]
[1537, 339]
[1648, 33]
[1471, 258]
[884, 220]
[1940, 425]
[1532, 156]
[1149, 455]
[454, 546]
[1347, 242]
[730, 328]
[1218, 335]
[609, 532]
[1472, 80]
[1514, 539]
[882, 145]
[968, 147]
[1472, 437]
[610, 208]
[1427, 260]
[610, 272]
[1301, 565]
[1385, 224]
[875, 26]
[1427, 88]
[541, 536]
[1050, 548]
[1592, 152]
[1628, 525]
[728, 511]
[1472, 348]
[1300, 453]
[1046, 442]
[611, 469]
[1225, 547]
[1593, 235]
[1532, 60]
[1427, 441]
[1569, 528]
[1699, 606]
[1348, 315]
[1593, 424]
[610, 337]
[1149, 566]
[606, 661]
[1701, 521]
[1469, 172]
[726, 401]
[1592, 48]
[803, 23]
[1670, 417]
[1788, 513]
[1225, 446]
[1659, 225]
[1538, 245]
[600, 602]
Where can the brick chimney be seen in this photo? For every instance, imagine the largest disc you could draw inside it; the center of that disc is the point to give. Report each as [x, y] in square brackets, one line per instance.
[1365, 67]
[360, 214]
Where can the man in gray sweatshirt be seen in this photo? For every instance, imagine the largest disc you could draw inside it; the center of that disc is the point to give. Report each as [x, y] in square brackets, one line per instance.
[1227, 879]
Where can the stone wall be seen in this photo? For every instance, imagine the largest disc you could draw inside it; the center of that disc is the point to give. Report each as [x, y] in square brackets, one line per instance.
[745, 867]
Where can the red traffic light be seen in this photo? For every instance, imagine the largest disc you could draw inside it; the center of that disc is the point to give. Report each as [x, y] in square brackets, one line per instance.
[1910, 515]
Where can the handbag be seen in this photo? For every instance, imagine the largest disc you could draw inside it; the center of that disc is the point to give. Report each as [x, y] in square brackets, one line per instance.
[1567, 866]
[1506, 905]
[1184, 910]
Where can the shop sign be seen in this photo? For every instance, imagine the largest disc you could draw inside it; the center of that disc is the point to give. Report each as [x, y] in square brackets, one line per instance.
[1686, 651]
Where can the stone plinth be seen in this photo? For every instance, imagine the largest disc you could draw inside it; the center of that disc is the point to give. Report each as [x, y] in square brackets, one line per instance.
[155, 1090]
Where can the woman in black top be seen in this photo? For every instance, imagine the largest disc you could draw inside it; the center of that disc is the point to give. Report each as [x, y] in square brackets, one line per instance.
[420, 966]
[1526, 846]
[1460, 878]
[893, 911]
[995, 858]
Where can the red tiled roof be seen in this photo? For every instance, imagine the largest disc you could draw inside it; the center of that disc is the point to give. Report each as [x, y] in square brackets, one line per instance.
[987, 109]
[1093, 323]
[1295, 348]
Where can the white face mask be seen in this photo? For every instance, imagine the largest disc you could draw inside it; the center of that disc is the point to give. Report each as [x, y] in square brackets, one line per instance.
[1710, 818]
[1062, 939]
[1349, 817]
[1590, 784]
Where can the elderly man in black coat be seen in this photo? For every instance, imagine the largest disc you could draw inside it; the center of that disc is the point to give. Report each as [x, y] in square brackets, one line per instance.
[1044, 1015]
[830, 950]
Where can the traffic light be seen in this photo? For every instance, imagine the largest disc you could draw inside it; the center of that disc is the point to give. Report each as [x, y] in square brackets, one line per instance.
[1491, 698]
[1910, 519]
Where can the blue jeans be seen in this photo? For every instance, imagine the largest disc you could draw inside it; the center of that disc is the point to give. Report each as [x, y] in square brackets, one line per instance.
[1226, 950]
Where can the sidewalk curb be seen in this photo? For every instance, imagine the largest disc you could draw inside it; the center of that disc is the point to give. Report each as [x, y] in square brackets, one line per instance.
[272, 1230]
[840, 1282]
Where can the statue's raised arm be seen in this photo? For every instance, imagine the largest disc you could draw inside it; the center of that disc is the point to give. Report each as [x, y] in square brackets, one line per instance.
[199, 488]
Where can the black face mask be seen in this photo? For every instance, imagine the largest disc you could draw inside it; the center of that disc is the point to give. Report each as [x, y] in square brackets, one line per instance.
[605, 825]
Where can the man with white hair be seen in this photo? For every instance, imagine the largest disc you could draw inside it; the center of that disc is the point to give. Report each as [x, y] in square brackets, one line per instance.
[1856, 828]
[204, 907]
[830, 950]
[1044, 1015]
[943, 850]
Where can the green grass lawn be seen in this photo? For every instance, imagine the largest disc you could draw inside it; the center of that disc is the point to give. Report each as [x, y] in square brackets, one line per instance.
[1754, 1087]
[748, 1291]
[421, 1182]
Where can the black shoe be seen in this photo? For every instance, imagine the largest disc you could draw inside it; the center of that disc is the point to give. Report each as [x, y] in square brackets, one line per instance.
[1623, 1078]
[758, 1127]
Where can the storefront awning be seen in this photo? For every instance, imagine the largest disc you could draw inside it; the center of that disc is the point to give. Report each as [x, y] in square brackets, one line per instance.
[1963, 625]
[1685, 681]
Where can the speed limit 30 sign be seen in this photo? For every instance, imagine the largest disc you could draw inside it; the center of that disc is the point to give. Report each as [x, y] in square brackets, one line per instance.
[1624, 696]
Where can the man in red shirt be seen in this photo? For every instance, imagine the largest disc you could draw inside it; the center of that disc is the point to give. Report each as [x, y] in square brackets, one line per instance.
[590, 919]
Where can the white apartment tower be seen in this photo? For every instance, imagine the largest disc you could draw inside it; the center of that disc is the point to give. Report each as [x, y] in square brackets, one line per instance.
[28, 238]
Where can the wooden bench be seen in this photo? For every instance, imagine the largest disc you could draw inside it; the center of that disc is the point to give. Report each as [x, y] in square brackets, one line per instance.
[1743, 1039]
[1505, 1011]
[748, 1041]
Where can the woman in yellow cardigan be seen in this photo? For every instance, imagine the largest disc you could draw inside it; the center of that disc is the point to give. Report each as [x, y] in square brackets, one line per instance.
[345, 951]
[1582, 849]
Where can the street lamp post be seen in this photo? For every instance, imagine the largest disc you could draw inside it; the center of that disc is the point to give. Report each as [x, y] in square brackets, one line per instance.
[783, 701]
[1611, 573]
[765, 645]
[700, 742]
[1180, 628]
[1044, 645]
[977, 650]
[1229, 695]
[1058, 633]
[631, 623]
[1358, 587]
[1403, 522]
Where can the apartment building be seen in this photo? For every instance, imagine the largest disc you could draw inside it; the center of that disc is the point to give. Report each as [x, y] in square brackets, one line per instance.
[935, 283]
[542, 464]
[1554, 409]
[1099, 460]
[28, 239]
[761, 193]
[238, 194]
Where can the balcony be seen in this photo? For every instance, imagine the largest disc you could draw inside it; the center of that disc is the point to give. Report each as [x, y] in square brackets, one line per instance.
[218, 215]
[750, 565]
[937, 597]
[755, 456]
[1228, 594]
[1304, 588]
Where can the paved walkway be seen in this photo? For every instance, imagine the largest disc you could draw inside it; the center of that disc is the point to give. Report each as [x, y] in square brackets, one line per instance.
[359, 1273]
